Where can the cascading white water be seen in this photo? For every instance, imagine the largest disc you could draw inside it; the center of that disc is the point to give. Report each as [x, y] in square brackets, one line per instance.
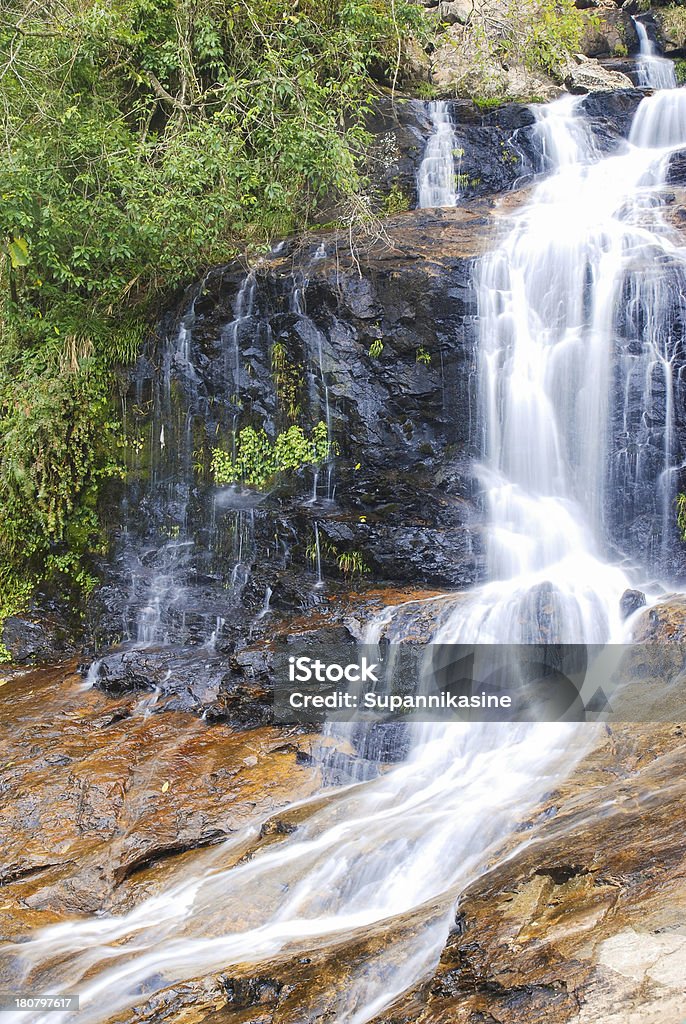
[410, 839]
[654, 70]
[437, 176]
[549, 299]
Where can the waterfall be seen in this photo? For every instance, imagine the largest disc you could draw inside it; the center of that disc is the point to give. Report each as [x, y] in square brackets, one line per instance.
[551, 295]
[437, 177]
[654, 71]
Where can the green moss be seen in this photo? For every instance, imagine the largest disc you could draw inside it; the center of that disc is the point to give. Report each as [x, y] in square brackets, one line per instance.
[486, 103]
[681, 513]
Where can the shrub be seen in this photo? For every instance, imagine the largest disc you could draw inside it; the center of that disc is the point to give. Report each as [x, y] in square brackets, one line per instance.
[145, 140]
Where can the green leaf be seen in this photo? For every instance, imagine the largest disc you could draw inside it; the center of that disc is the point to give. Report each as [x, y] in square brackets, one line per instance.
[18, 250]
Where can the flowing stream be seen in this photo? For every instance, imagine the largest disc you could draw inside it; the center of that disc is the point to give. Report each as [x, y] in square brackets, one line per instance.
[408, 841]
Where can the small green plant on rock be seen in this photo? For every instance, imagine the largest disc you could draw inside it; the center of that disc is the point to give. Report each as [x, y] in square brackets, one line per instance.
[348, 563]
[257, 460]
[423, 356]
[376, 348]
[395, 202]
[287, 381]
[681, 514]
[351, 563]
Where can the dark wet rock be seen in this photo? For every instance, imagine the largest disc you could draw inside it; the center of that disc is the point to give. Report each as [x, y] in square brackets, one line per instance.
[48, 631]
[242, 706]
[400, 129]
[676, 174]
[610, 114]
[178, 678]
[29, 641]
[630, 602]
[243, 993]
[127, 673]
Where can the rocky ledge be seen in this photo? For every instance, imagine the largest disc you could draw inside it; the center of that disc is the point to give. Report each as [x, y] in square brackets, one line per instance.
[101, 798]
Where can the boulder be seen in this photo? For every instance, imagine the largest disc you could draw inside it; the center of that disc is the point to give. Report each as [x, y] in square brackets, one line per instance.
[584, 74]
[455, 73]
[662, 623]
[610, 33]
[453, 12]
[630, 602]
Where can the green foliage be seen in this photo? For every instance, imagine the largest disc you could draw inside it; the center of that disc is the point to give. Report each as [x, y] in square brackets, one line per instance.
[144, 140]
[463, 181]
[288, 381]
[423, 356]
[257, 460]
[427, 91]
[544, 33]
[58, 443]
[348, 563]
[395, 202]
[672, 19]
[376, 348]
[487, 103]
[681, 513]
[680, 71]
[351, 563]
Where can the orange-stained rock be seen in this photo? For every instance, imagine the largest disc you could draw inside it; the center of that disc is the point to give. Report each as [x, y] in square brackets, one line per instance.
[96, 789]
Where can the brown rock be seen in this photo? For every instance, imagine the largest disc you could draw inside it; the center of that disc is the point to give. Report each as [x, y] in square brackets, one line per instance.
[97, 790]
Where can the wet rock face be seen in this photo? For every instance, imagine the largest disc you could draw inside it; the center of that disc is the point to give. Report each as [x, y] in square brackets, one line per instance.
[496, 149]
[400, 129]
[48, 632]
[386, 350]
[641, 513]
[378, 343]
